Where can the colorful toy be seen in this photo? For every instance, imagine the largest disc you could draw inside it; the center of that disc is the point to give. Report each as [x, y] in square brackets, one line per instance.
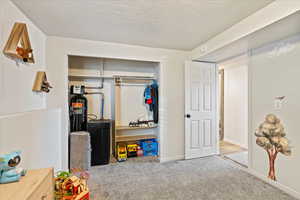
[132, 150]
[150, 147]
[121, 152]
[25, 54]
[140, 151]
[70, 187]
[8, 171]
[141, 123]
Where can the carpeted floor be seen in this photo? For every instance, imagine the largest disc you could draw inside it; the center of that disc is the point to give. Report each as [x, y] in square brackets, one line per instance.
[211, 178]
[239, 157]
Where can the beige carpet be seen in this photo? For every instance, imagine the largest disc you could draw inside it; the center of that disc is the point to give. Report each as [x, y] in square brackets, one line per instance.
[228, 148]
[211, 178]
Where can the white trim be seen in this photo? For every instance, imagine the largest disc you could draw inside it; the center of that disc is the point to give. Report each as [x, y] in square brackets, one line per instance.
[273, 183]
[26, 112]
[250, 135]
[186, 99]
[131, 58]
[161, 104]
[217, 94]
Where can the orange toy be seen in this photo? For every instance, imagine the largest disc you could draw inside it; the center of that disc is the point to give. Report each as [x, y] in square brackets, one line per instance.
[26, 54]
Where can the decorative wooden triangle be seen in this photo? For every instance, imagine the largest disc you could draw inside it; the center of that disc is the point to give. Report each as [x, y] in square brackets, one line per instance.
[18, 44]
[41, 84]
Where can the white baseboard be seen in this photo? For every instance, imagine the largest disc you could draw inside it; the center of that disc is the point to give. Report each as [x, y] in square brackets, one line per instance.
[234, 142]
[274, 183]
[171, 158]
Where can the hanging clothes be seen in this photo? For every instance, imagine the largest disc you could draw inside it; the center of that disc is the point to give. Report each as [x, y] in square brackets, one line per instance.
[154, 95]
[151, 98]
[147, 95]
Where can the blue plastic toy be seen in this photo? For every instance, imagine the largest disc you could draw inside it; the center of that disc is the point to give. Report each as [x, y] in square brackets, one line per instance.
[150, 147]
[8, 171]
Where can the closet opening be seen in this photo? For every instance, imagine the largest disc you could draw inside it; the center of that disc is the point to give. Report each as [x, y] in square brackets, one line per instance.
[115, 101]
[233, 109]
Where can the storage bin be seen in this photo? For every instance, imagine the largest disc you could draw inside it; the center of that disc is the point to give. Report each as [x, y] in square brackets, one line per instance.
[150, 147]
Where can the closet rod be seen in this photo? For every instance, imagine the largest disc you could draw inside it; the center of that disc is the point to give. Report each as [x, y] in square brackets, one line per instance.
[135, 77]
[131, 84]
[133, 80]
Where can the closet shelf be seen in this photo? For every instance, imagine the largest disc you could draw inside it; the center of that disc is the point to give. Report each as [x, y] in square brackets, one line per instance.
[124, 128]
[128, 138]
[89, 77]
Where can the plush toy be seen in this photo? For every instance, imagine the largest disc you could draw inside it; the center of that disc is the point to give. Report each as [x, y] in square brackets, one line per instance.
[8, 171]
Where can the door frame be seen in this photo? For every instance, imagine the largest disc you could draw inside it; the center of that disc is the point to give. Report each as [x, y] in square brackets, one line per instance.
[249, 121]
[244, 59]
[221, 102]
[162, 62]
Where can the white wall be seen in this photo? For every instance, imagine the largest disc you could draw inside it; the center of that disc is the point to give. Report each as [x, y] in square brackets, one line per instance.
[36, 134]
[16, 80]
[172, 85]
[275, 72]
[273, 12]
[236, 101]
[25, 122]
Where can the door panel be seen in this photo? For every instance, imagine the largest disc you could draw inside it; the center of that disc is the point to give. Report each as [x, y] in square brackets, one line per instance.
[207, 133]
[207, 97]
[195, 139]
[200, 104]
[195, 98]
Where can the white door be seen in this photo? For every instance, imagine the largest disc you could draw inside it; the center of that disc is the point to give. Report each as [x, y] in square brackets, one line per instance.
[200, 110]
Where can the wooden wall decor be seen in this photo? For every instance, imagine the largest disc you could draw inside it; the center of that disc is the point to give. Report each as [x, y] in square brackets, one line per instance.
[41, 84]
[18, 45]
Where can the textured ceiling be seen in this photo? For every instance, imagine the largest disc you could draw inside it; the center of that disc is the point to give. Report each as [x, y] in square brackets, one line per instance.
[173, 24]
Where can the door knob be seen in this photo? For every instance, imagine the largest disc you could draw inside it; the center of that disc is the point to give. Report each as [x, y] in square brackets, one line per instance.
[188, 116]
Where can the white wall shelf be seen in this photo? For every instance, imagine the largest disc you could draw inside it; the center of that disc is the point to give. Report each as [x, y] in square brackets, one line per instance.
[89, 77]
[128, 138]
[120, 128]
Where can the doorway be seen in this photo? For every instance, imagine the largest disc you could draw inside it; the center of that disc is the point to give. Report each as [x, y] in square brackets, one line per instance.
[233, 109]
[216, 109]
[114, 90]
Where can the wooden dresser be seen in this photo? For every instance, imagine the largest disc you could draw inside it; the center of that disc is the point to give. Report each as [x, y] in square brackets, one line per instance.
[35, 185]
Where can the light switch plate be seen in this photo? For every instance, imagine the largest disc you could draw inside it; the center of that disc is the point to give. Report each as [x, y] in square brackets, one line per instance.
[277, 104]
